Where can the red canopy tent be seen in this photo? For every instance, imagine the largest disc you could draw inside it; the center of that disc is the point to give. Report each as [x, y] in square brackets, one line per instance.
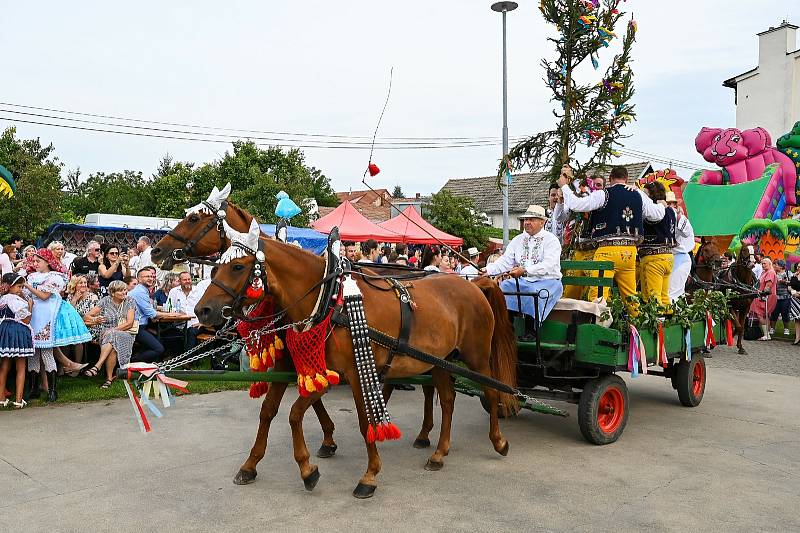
[416, 229]
[353, 226]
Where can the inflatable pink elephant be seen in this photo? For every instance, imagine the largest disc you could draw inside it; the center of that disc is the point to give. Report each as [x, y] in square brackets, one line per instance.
[744, 155]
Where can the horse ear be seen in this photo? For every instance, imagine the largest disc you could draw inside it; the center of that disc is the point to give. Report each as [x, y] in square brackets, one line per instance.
[253, 234]
[225, 192]
[756, 140]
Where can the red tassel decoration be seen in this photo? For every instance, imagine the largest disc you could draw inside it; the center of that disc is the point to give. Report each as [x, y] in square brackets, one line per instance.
[303, 392]
[332, 377]
[392, 432]
[380, 433]
[729, 333]
[370, 434]
[259, 389]
[252, 293]
[373, 169]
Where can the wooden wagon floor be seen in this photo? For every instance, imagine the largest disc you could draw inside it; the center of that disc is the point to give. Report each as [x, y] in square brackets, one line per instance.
[733, 463]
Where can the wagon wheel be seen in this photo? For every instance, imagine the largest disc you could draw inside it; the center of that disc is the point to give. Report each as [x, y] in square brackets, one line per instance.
[603, 409]
[690, 381]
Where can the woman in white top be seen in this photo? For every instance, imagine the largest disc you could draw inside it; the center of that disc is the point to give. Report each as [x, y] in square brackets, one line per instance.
[61, 253]
[431, 258]
[6, 265]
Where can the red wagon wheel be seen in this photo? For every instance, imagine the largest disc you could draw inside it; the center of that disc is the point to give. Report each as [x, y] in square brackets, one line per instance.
[603, 409]
[690, 381]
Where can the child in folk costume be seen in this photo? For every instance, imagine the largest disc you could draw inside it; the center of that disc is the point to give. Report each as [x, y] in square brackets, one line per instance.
[54, 322]
[16, 339]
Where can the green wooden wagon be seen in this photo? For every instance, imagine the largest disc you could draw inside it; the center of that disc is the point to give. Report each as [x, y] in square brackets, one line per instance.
[577, 361]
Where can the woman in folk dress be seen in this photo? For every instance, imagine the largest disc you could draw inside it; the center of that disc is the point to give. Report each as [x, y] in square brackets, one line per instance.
[54, 322]
[16, 340]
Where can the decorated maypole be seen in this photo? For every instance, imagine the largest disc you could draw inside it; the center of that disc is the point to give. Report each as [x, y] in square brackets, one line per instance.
[591, 112]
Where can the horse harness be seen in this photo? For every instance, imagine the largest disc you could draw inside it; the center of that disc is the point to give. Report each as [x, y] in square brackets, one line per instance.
[330, 301]
[217, 218]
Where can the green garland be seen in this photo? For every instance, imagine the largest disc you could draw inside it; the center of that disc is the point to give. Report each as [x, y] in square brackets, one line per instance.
[683, 312]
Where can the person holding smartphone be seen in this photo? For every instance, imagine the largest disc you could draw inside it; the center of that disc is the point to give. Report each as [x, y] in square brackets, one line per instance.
[113, 267]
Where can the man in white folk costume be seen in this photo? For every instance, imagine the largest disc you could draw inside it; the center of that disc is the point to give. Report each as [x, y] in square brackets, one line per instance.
[534, 258]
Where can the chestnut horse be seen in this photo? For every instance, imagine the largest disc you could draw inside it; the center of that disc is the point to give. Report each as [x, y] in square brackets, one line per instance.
[739, 277]
[453, 316]
[198, 235]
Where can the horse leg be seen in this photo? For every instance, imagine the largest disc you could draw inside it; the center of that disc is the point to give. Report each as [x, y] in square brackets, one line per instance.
[498, 441]
[328, 447]
[269, 408]
[367, 484]
[308, 472]
[423, 439]
[447, 398]
[740, 331]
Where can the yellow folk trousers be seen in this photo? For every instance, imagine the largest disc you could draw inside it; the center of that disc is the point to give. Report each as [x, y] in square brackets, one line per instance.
[624, 274]
[577, 292]
[655, 272]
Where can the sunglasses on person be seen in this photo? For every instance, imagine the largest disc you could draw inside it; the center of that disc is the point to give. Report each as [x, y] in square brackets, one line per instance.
[112, 253]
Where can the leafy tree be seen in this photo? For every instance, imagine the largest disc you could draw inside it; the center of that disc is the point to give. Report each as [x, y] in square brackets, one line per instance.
[173, 186]
[397, 192]
[119, 193]
[457, 216]
[593, 111]
[37, 173]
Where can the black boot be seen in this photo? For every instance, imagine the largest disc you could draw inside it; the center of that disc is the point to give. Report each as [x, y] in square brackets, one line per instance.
[530, 329]
[32, 386]
[51, 386]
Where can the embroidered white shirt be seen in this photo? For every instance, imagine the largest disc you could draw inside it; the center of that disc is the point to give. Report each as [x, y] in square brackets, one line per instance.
[596, 199]
[684, 234]
[539, 255]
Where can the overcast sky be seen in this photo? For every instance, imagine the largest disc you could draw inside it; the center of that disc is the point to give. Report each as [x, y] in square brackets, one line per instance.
[322, 67]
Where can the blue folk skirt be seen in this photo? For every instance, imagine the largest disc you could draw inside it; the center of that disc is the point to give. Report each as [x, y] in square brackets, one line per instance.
[70, 328]
[548, 290]
[16, 339]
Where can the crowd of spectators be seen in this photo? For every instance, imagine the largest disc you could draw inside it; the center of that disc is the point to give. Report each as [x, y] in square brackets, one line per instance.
[61, 314]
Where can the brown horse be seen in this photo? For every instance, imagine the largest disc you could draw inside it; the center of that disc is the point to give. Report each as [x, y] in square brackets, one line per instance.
[453, 316]
[198, 235]
[738, 277]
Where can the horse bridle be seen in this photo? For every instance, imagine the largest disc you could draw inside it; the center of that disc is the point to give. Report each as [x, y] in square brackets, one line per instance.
[217, 219]
[258, 271]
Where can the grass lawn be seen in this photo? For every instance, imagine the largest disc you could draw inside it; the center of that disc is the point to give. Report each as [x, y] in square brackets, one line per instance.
[83, 389]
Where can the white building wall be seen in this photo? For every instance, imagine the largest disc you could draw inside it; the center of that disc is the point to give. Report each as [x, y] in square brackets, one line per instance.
[497, 220]
[770, 96]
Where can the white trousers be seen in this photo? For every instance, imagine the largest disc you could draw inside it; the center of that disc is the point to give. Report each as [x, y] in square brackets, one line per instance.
[681, 269]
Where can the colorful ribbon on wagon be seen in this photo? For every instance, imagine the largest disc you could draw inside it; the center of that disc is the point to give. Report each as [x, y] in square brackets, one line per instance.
[729, 332]
[156, 382]
[662, 349]
[688, 338]
[636, 353]
[710, 341]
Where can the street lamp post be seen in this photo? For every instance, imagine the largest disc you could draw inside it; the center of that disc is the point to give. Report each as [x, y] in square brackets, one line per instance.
[505, 7]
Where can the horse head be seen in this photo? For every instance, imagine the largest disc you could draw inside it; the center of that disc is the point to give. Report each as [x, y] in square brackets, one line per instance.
[725, 147]
[708, 255]
[201, 232]
[254, 267]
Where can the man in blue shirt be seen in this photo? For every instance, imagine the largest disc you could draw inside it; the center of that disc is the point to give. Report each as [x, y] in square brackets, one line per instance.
[152, 349]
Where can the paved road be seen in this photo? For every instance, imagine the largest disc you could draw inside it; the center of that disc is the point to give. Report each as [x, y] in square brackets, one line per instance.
[773, 357]
[731, 464]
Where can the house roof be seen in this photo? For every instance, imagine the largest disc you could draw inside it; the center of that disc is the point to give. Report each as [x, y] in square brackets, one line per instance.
[526, 188]
[367, 196]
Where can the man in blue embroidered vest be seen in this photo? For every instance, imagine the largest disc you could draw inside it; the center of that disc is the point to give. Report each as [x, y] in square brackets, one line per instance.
[617, 218]
[534, 258]
[655, 252]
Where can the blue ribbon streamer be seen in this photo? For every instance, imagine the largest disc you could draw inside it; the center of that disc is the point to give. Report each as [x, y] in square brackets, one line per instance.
[688, 344]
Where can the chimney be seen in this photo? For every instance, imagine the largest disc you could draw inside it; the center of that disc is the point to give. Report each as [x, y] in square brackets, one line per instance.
[775, 43]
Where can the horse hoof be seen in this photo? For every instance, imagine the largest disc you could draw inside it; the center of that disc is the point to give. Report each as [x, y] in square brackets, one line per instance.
[326, 452]
[742, 351]
[244, 477]
[311, 481]
[433, 466]
[422, 443]
[362, 491]
[504, 450]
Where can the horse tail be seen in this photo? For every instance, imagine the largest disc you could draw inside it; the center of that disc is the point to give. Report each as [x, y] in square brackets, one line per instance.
[503, 359]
